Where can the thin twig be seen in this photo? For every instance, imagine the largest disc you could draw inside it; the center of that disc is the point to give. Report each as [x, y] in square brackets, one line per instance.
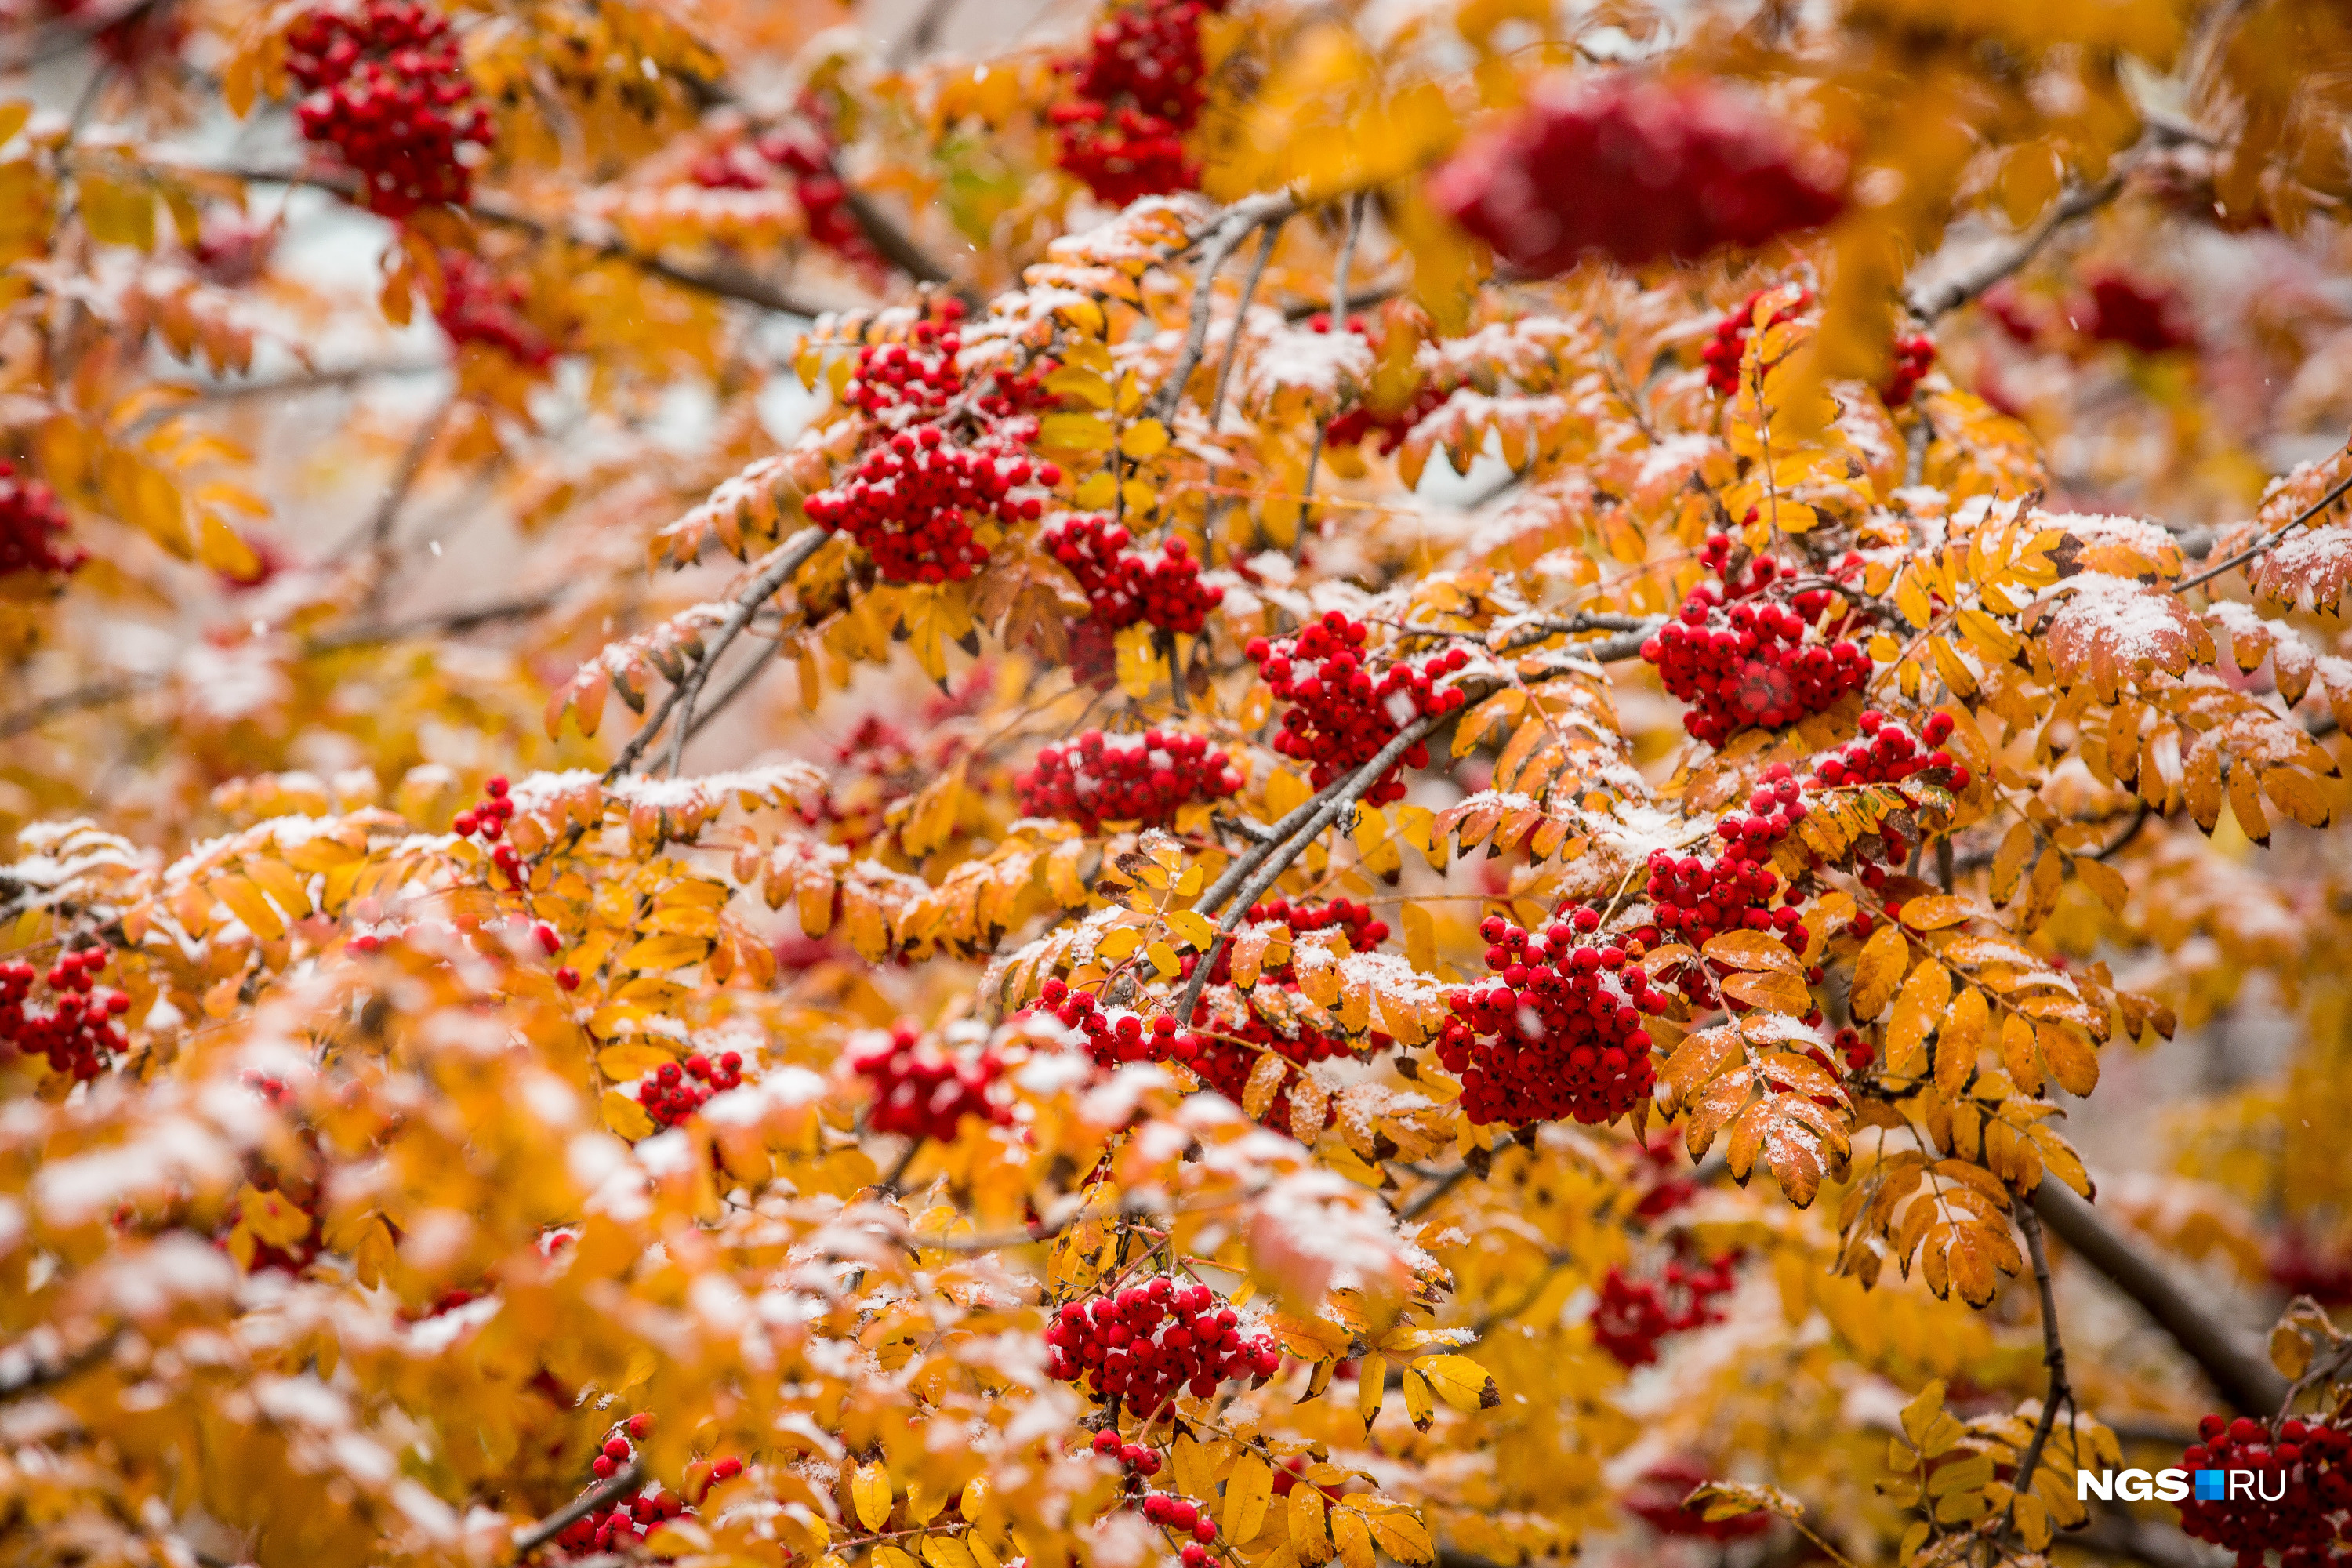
[790, 557]
[96, 694]
[1241, 314]
[2269, 542]
[918, 40]
[1229, 232]
[404, 476]
[1339, 324]
[737, 684]
[1638, 628]
[2053, 1355]
[440, 625]
[37, 1376]
[1957, 291]
[284, 386]
[619, 1484]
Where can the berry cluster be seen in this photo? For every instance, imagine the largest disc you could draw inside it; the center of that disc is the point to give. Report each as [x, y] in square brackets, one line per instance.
[1138, 92]
[2310, 1524]
[1914, 356]
[2149, 317]
[1163, 588]
[1749, 667]
[1226, 1061]
[1886, 753]
[76, 1032]
[909, 503]
[1854, 1046]
[806, 152]
[1183, 1517]
[922, 1092]
[488, 818]
[478, 306]
[32, 522]
[670, 1096]
[1340, 715]
[1728, 347]
[1118, 1035]
[1656, 1499]
[1633, 1315]
[1367, 420]
[1152, 1341]
[1696, 899]
[1557, 1031]
[1143, 778]
[1559, 179]
[387, 87]
[627, 1522]
[1140, 1460]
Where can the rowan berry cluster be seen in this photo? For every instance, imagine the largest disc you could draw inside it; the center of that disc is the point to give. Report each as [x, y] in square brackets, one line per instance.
[1551, 184]
[1728, 347]
[2149, 317]
[1183, 1517]
[1115, 1035]
[1656, 1499]
[1914, 356]
[806, 152]
[1139, 92]
[387, 89]
[627, 1522]
[1633, 1315]
[1556, 1033]
[1161, 588]
[1854, 1046]
[486, 818]
[478, 306]
[1143, 778]
[1886, 753]
[1342, 713]
[2310, 1524]
[2300, 1266]
[76, 1032]
[1750, 666]
[1696, 899]
[1365, 421]
[1152, 1341]
[673, 1094]
[32, 525]
[920, 1091]
[1225, 1060]
[1134, 1456]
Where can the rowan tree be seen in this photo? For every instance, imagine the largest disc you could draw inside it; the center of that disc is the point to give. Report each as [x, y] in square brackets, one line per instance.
[1300, 682]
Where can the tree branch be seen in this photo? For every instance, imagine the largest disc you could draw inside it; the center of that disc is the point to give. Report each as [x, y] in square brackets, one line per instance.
[1638, 628]
[35, 1376]
[404, 478]
[2269, 542]
[790, 557]
[737, 684]
[96, 694]
[1241, 313]
[619, 1484]
[1953, 292]
[2237, 1371]
[1230, 231]
[2054, 1356]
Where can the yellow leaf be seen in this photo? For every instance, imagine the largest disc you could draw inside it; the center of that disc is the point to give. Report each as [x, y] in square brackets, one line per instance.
[271, 1215]
[1460, 1381]
[1118, 945]
[1878, 969]
[1198, 931]
[117, 211]
[1917, 1011]
[1935, 911]
[1753, 950]
[869, 1488]
[1163, 959]
[624, 1116]
[1958, 1038]
[632, 1059]
[947, 1551]
[1310, 1535]
[1140, 667]
[669, 951]
[1073, 433]
[1354, 1538]
[1247, 1489]
[1144, 439]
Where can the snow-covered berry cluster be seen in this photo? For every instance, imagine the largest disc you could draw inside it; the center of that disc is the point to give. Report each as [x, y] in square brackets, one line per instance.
[1750, 666]
[806, 152]
[1887, 753]
[1342, 711]
[1367, 420]
[1151, 1341]
[480, 306]
[677, 1092]
[32, 526]
[76, 1032]
[1226, 1060]
[1632, 1314]
[1161, 588]
[1100, 778]
[387, 89]
[1695, 899]
[921, 1091]
[1117, 1035]
[1137, 93]
[2308, 1465]
[912, 500]
[1557, 1031]
[1638, 170]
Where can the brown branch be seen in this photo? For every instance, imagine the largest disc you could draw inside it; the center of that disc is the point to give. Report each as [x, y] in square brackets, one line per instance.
[1241, 313]
[36, 1376]
[788, 558]
[96, 694]
[1229, 232]
[2053, 1355]
[1639, 629]
[2269, 542]
[619, 1484]
[1957, 291]
[2237, 1371]
[894, 243]
[440, 624]
[404, 476]
[737, 684]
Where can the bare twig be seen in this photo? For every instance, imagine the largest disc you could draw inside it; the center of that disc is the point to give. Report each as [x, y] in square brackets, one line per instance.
[1339, 324]
[737, 684]
[440, 624]
[2269, 542]
[34, 1376]
[2238, 1372]
[1952, 294]
[2054, 1354]
[96, 694]
[1241, 314]
[1229, 232]
[619, 1484]
[896, 244]
[790, 557]
[918, 40]
[1639, 629]
[284, 386]
[404, 476]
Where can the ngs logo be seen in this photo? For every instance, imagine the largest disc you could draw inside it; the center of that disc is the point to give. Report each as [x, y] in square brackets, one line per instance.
[2173, 1484]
